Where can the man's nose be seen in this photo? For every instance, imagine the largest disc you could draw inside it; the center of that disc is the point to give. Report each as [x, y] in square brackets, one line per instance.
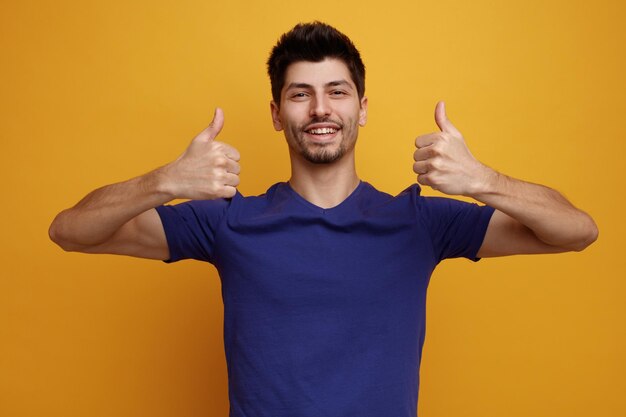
[320, 107]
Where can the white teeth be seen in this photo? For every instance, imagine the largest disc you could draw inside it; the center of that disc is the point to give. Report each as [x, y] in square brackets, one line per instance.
[322, 131]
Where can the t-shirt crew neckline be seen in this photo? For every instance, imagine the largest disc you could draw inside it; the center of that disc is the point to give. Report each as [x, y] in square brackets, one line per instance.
[322, 210]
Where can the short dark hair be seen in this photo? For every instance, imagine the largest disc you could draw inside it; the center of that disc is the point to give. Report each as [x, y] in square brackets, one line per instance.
[313, 42]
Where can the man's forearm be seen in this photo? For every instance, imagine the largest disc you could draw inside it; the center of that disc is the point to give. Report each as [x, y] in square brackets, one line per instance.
[550, 216]
[102, 212]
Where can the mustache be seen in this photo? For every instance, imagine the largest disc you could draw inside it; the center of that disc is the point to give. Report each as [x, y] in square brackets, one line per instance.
[317, 120]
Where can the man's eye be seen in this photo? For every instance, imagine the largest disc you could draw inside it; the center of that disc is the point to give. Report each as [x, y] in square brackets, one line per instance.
[338, 93]
[299, 95]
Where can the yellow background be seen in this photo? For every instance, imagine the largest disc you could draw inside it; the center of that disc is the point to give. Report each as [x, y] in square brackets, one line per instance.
[97, 92]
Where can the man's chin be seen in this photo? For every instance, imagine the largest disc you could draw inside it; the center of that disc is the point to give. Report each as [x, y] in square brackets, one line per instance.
[323, 156]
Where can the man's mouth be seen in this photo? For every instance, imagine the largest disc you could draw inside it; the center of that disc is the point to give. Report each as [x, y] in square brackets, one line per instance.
[322, 131]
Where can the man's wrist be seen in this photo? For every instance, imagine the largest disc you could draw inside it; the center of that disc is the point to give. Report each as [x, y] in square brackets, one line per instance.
[488, 181]
[159, 183]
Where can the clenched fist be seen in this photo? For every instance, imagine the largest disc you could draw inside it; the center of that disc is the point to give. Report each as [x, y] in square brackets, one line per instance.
[208, 169]
[443, 161]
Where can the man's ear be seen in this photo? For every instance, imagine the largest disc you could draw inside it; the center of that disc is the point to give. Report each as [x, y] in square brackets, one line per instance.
[363, 112]
[276, 116]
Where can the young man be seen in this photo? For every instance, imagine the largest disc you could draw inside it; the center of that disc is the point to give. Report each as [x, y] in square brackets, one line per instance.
[323, 277]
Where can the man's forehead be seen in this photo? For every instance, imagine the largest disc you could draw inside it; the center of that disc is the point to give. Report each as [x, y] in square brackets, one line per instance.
[317, 73]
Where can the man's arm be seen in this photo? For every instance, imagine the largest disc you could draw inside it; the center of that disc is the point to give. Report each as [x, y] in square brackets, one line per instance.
[121, 219]
[529, 218]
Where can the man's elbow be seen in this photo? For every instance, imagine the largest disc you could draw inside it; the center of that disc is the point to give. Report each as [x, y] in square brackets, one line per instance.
[57, 235]
[588, 234]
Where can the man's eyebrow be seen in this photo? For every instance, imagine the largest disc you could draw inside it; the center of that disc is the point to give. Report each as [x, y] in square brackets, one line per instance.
[299, 85]
[328, 84]
[339, 82]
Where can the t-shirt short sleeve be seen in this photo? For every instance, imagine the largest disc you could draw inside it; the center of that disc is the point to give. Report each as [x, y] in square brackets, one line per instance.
[457, 228]
[190, 228]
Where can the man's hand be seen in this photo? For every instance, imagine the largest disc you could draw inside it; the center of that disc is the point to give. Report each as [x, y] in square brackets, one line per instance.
[208, 169]
[443, 161]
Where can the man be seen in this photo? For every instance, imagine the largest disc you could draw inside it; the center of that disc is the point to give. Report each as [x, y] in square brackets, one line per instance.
[323, 277]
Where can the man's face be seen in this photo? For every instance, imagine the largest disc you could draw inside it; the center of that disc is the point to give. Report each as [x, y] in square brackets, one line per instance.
[320, 110]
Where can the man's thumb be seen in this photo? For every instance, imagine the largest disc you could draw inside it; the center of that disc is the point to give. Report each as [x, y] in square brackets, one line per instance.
[442, 120]
[216, 124]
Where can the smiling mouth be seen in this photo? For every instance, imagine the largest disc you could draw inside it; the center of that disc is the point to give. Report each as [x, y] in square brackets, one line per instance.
[322, 131]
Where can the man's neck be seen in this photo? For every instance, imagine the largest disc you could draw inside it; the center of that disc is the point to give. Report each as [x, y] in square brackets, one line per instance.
[324, 185]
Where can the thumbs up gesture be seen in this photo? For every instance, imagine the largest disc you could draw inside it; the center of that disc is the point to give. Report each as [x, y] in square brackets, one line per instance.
[443, 161]
[207, 170]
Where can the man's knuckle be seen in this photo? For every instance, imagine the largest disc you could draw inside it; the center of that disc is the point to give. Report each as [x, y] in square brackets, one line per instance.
[437, 148]
[220, 161]
[216, 183]
[229, 192]
[217, 146]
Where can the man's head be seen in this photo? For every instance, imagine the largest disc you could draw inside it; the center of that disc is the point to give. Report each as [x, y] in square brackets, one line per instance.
[313, 42]
[317, 85]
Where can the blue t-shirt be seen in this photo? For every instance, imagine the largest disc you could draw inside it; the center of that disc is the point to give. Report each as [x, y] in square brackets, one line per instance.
[324, 309]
